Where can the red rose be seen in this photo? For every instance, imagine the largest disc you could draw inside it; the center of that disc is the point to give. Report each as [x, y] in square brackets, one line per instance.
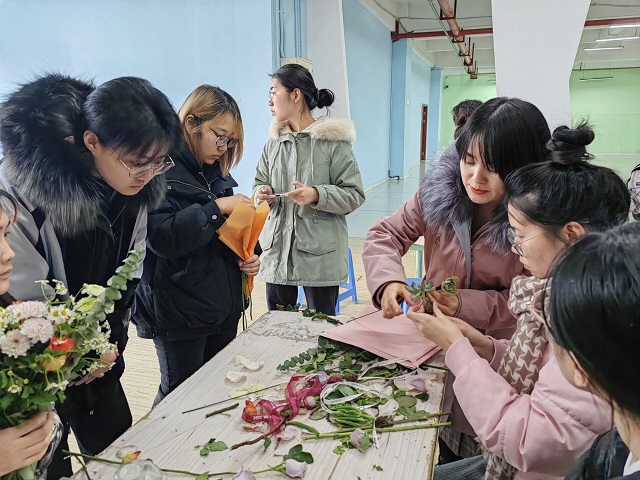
[63, 344]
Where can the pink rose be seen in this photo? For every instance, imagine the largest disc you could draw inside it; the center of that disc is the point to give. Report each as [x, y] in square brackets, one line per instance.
[295, 469]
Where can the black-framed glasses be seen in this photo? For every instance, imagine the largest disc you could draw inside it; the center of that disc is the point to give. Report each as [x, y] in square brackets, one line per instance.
[511, 236]
[222, 140]
[141, 169]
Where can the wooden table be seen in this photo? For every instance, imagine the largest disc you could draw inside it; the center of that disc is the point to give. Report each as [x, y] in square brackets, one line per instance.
[167, 436]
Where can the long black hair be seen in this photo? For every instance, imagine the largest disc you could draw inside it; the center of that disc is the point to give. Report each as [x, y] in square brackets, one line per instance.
[511, 132]
[293, 76]
[568, 188]
[594, 311]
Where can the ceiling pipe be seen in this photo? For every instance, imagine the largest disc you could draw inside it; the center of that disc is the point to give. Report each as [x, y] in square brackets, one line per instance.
[617, 22]
[449, 14]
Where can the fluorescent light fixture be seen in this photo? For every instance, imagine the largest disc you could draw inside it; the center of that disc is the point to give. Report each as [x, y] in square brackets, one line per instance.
[594, 49]
[594, 79]
[616, 39]
[625, 26]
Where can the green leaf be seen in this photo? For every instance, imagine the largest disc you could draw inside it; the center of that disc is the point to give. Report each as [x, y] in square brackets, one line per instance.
[398, 393]
[295, 450]
[318, 415]
[423, 396]
[406, 401]
[365, 443]
[377, 468]
[305, 457]
[203, 476]
[339, 450]
[267, 442]
[346, 391]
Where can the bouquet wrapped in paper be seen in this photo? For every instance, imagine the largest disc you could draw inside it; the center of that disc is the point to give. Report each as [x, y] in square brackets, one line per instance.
[44, 346]
[240, 233]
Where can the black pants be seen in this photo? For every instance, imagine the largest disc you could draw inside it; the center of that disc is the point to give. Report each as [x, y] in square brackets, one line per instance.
[179, 359]
[322, 299]
[98, 413]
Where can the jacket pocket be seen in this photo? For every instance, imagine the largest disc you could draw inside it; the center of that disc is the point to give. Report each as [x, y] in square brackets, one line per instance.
[315, 231]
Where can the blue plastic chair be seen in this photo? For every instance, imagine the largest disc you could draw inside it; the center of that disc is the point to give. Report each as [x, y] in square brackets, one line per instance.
[350, 287]
[405, 306]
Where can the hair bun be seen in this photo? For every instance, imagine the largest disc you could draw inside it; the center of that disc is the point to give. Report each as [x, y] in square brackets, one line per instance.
[325, 98]
[581, 136]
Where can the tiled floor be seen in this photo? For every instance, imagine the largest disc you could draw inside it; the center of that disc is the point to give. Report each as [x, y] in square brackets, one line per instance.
[141, 377]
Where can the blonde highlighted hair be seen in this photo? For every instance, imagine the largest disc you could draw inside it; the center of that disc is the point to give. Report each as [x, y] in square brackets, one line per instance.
[207, 103]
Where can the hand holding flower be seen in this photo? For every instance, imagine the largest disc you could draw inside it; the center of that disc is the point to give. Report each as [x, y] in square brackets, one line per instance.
[23, 445]
[251, 266]
[439, 328]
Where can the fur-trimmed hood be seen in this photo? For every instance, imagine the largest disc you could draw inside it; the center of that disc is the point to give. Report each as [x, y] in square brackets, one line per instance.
[38, 126]
[323, 128]
[444, 201]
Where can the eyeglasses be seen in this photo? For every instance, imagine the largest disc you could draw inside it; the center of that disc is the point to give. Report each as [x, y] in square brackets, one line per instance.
[511, 236]
[222, 140]
[141, 169]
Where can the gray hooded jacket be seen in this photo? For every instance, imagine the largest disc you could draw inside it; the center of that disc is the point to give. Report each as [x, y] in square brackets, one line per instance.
[307, 245]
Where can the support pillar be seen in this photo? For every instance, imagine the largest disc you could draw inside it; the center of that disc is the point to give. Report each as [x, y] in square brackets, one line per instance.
[535, 44]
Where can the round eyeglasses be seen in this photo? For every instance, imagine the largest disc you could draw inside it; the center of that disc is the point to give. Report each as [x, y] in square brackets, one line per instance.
[141, 169]
[511, 236]
[222, 140]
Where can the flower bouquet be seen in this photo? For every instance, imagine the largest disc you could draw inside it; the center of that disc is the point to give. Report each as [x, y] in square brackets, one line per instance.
[44, 346]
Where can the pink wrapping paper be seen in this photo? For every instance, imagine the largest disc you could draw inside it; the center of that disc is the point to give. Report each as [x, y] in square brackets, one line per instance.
[390, 339]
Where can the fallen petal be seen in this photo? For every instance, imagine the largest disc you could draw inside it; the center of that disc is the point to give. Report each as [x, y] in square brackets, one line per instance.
[289, 433]
[419, 384]
[236, 377]
[244, 475]
[128, 450]
[247, 363]
[389, 408]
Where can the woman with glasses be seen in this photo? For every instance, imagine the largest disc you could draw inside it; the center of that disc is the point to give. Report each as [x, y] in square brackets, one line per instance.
[82, 163]
[309, 175]
[191, 296]
[530, 421]
[592, 310]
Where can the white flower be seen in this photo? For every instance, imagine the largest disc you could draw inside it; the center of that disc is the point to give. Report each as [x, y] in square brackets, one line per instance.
[61, 314]
[37, 329]
[14, 389]
[61, 288]
[26, 310]
[14, 344]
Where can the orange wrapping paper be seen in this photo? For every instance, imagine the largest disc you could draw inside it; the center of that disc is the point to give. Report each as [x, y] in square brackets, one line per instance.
[241, 231]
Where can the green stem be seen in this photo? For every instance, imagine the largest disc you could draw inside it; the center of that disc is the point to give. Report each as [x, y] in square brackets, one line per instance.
[269, 469]
[225, 409]
[84, 468]
[348, 431]
[168, 470]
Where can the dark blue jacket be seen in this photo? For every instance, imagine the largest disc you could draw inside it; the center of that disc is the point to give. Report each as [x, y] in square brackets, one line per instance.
[191, 282]
[604, 460]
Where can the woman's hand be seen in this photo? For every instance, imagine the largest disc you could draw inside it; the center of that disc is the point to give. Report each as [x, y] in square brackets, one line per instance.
[482, 344]
[250, 266]
[227, 204]
[438, 328]
[106, 359]
[303, 195]
[392, 295]
[263, 194]
[26, 444]
[448, 303]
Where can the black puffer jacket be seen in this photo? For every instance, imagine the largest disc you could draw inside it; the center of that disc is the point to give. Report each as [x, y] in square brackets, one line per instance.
[191, 282]
[605, 460]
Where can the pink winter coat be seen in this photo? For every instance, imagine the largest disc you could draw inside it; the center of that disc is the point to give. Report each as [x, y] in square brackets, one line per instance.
[541, 434]
[442, 213]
